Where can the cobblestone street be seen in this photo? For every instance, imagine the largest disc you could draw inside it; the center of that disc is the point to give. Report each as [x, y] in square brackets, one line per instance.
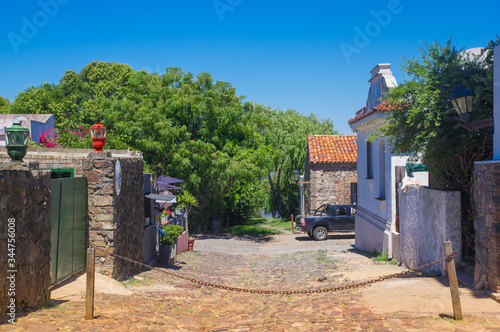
[164, 303]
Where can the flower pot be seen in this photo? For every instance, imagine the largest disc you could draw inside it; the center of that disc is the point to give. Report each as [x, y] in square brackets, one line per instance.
[168, 254]
[190, 244]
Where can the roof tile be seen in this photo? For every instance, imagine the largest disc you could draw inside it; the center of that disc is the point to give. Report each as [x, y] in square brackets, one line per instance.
[332, 149]
[363, 113]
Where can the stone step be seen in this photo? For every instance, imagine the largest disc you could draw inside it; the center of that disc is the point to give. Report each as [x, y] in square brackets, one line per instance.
[464, 277]
[467, 268]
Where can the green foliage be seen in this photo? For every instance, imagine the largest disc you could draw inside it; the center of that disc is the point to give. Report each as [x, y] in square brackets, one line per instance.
[279, 224]
[4, 105]
[424, 124]
[189, 127]
[172, 232]
[252, 230]
[261, 227]
[285, 136]
[380, 257]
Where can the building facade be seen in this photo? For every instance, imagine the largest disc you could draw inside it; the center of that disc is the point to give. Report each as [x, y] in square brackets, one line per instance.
[379, 171]
[331, 170]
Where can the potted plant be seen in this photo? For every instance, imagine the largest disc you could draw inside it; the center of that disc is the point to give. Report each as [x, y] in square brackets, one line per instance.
[191, 243]
[186, 202]
[165, 215]
[168, 247]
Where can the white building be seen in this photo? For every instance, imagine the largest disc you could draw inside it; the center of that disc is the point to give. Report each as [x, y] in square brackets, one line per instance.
[379, 171]
[36, 123]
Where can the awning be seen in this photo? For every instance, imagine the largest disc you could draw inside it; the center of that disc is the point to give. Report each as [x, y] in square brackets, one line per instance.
[412, 167]
[165, 182]
[167, 186]
[162, 198]
[168, 179]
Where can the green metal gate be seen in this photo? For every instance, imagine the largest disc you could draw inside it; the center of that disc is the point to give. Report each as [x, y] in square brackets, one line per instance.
[69, 227]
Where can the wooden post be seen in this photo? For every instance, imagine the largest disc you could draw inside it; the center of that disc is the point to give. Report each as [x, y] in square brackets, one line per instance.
[293, 224]
[452, 276]
[89, 299]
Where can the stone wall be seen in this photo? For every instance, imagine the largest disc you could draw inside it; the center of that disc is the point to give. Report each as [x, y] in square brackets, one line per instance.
[487, 224]
[330, 183]
[116, 213]
[25, 202]
[61, 158]
[427, 218]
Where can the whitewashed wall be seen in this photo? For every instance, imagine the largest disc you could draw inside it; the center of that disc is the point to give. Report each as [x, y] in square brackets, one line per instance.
[429, 217]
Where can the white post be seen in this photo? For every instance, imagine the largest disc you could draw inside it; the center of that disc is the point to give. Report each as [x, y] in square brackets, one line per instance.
[301, 179]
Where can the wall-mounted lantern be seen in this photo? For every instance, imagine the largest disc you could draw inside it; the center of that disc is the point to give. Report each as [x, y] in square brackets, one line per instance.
[461, 99]
[17, 138]
[98, 133]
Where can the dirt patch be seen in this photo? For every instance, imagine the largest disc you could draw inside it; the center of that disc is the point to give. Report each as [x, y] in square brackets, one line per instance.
[412, 293]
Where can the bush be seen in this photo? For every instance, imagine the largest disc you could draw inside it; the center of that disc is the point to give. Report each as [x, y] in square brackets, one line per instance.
[172, 232]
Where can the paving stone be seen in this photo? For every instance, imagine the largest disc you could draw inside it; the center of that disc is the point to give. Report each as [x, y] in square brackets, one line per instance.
[162, 307]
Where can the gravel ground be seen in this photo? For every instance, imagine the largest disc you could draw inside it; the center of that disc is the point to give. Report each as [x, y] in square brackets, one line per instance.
[281, 244]
[161, 302]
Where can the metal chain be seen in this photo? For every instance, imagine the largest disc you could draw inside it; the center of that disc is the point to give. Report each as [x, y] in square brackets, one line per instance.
[284, 292]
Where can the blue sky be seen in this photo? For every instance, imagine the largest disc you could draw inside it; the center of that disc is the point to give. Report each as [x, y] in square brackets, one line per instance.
[314, 57]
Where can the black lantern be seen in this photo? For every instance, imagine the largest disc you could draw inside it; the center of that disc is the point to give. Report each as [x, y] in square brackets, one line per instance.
[296, 176]
[461, 99]
[17, 138]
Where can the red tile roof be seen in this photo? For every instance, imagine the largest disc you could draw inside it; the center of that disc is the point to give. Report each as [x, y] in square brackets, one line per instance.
[382, 108]
[332, 149]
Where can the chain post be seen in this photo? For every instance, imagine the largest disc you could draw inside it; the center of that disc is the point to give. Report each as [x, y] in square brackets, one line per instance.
[452, 277]
[89, 296]
[282, 292]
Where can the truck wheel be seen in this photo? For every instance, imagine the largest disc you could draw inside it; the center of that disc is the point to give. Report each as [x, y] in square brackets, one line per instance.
[320, 233]
[310, 235]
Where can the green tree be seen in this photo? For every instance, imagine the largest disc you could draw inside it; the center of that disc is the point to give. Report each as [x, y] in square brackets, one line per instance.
[285, 134]
[425, 126]
[4, 105]
[189, 127]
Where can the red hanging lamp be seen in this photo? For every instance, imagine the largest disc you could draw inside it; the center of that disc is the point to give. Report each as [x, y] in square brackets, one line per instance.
[98, 133]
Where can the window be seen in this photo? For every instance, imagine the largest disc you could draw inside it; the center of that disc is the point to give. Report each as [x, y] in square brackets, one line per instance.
[369, 160]
[354, 193]
[381, 162]
[341, 211]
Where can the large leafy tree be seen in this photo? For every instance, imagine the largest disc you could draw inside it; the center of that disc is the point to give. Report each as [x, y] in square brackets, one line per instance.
[4, 105]
[425, 126]
[286, 137]
[189, 127]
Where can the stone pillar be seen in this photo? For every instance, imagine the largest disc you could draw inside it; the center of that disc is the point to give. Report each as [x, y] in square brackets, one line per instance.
[116, 210]
[25, 230]
[487, 224]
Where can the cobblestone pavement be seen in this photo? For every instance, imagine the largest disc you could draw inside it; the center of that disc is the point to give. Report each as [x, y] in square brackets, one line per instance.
[164, 303]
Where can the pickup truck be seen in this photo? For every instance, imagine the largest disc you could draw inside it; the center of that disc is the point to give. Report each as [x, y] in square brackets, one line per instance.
[327, 218]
